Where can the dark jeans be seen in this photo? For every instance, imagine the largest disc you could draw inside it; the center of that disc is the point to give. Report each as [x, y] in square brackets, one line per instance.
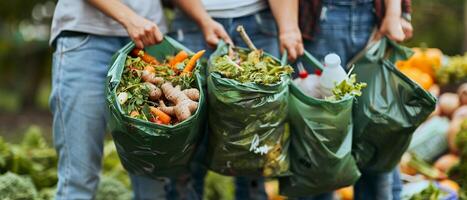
[262, 29]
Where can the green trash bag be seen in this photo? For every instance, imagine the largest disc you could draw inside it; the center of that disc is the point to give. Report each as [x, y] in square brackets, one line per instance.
[390, 109]
[321, 143]
[145, 148]
[247, 134]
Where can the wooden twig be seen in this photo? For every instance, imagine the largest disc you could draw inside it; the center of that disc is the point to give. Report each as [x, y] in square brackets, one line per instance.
[245, 37]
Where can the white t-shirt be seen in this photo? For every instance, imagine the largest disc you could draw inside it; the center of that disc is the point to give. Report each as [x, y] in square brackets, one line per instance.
[80, 16]
[233, 8]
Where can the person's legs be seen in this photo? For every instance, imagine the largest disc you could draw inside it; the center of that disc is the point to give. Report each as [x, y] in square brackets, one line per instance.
[324, 196]
[396, 184]
[78, 106]
[375, 186]
[145, 188]
[77, 101]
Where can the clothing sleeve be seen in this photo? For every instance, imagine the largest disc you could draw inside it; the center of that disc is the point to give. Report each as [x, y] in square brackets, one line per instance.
[406, 6]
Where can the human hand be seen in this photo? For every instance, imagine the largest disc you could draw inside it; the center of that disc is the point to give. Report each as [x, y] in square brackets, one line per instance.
[291, 40]
[213, 31]
[407, 28]
[391, 27]
[142, 31]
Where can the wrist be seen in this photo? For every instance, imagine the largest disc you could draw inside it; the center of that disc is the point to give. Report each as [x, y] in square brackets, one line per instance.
[287, 29]
[126, 20]
[407, 16]
[204, 21]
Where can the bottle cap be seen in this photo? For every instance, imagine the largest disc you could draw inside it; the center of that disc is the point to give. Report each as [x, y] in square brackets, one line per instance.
[302, 74]
[332, 60]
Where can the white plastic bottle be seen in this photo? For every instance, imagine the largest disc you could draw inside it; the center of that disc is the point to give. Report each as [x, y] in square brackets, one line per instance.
[333, 74]
[308, 83]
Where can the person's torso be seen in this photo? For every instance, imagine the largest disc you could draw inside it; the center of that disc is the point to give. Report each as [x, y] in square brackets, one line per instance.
[233, 8]
[80, 16]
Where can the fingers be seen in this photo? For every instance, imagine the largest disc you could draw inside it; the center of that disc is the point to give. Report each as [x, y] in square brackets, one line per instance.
[407, 28]
[211, 40]
[224, 36]
[150, 35]
[146, 35]
[292, 54]
[215, 32]
[292, 42]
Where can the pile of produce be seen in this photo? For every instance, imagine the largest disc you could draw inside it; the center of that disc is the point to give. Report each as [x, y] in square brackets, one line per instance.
[252, 67]
[422, 66]
[455, 71]
[429, 66]
[459, 171]
[28, 170]
[448, 170]
[159, 92]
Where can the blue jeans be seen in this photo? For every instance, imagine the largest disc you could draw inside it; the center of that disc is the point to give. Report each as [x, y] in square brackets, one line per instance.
[344, 28]
[77, 101]
[262, 29]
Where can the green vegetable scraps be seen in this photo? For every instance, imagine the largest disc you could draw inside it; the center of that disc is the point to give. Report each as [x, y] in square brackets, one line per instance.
[250, 67]
[348, 87]
[454, 72]
[430, 193]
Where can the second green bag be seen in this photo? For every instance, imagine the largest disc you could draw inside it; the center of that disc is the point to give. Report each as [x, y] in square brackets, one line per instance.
[390, 108]
[321, 143]
[247, 134]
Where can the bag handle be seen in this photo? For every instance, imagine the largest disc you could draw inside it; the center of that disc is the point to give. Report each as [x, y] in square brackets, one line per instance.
[117, 58]
[311, 60]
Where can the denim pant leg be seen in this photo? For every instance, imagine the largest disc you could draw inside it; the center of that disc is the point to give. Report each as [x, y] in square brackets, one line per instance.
[381, 186]
[78, 106]
[343, 30]
[145, 188]
[396, 184]
[77, 100]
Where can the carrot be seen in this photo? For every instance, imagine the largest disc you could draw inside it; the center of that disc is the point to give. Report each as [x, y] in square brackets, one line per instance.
[180, 57]
[145, 57]
[192, 62]
[162, 116]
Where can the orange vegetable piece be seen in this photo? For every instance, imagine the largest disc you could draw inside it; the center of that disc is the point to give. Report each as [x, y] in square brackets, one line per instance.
[162, 116]
[427, 60]
[145, 56]
[192, 62]
[180, 57]
[450, 184]
[423, 79]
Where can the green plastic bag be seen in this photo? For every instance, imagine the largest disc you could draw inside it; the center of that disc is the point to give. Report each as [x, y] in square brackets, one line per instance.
[391, 108]
[145, 148]
[247, 134]
[321, 143]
